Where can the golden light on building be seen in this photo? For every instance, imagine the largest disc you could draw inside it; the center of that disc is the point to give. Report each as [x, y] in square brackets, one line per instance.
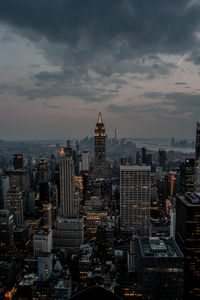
[62, 152]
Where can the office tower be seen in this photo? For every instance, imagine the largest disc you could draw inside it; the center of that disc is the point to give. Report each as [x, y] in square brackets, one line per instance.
[85, 161]
[117, 136]
[43, 179]
[197, 160]
[42, 241]
[138, 158]
[135, 195]
[100, 148]
[4, 186]
[15, 204]
[18, 161]
[68, 233]
[143, 155]
[197, 147]
[160, 268]
[47, 215]
[43, 173]
[149, 159]
[187, 176]
[67, 182]
[162, 158]
[188, 239]
[45, 268]
[6, 230]
[19, 178]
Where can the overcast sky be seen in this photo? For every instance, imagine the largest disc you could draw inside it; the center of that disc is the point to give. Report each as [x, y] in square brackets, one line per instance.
[62, 61]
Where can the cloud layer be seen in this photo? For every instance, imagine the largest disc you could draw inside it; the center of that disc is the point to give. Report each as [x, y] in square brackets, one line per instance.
[102, 50]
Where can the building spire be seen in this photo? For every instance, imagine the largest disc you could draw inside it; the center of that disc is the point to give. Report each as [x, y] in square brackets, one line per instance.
[99, 118]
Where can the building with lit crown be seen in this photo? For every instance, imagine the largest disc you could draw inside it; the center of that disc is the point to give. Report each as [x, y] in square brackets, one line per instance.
[99, 148]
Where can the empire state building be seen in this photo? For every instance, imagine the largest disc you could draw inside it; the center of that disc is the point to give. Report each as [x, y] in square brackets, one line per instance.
[100, 148]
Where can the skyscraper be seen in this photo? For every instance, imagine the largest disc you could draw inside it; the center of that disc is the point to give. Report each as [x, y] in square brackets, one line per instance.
[43, 175]
[117, 136]
[18, 161]
[197, 160]
[135, 194]
[197, 148]
[15, 204]
[99, 148]
[67, 205]
[187, 176]
[188, 239]
[162, 158]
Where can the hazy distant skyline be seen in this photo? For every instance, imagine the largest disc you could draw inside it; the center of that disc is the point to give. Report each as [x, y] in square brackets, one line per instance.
[136, 61]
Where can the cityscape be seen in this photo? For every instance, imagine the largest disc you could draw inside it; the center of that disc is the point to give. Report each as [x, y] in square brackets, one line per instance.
[99, 149]
[99, 216]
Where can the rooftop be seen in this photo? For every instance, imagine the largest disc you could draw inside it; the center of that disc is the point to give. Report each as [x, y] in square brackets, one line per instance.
[190, 199]
[159, 247]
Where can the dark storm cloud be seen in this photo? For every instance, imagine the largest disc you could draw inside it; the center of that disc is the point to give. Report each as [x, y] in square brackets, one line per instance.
[105, 37]
[127, 28]
[146, 25]
[170, 105]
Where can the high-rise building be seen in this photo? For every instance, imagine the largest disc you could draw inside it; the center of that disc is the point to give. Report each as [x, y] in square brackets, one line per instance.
[4, 186]
[18, 161]
[43, 178]
[6, 230]
[42, 241]
[117, 136]
[43, 173]
[135, 195]
[99, 148]
[188, 239]
[47, 215]
[85, 161]
[143, 155]
[197, 160]
[15, 204]
[67, 183]
[160, 268]
[162, 158]
[187, 176]
[197, 147]
[68, 233]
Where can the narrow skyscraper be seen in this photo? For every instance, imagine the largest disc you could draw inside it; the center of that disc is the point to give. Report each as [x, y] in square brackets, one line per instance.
[197, 160]
[67, 205]
[99, 148]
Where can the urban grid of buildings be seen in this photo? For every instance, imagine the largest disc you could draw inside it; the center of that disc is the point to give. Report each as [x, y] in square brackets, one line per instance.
[99, 216]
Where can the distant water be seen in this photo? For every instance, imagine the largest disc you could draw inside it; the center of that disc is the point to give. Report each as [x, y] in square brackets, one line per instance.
[155, 144]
